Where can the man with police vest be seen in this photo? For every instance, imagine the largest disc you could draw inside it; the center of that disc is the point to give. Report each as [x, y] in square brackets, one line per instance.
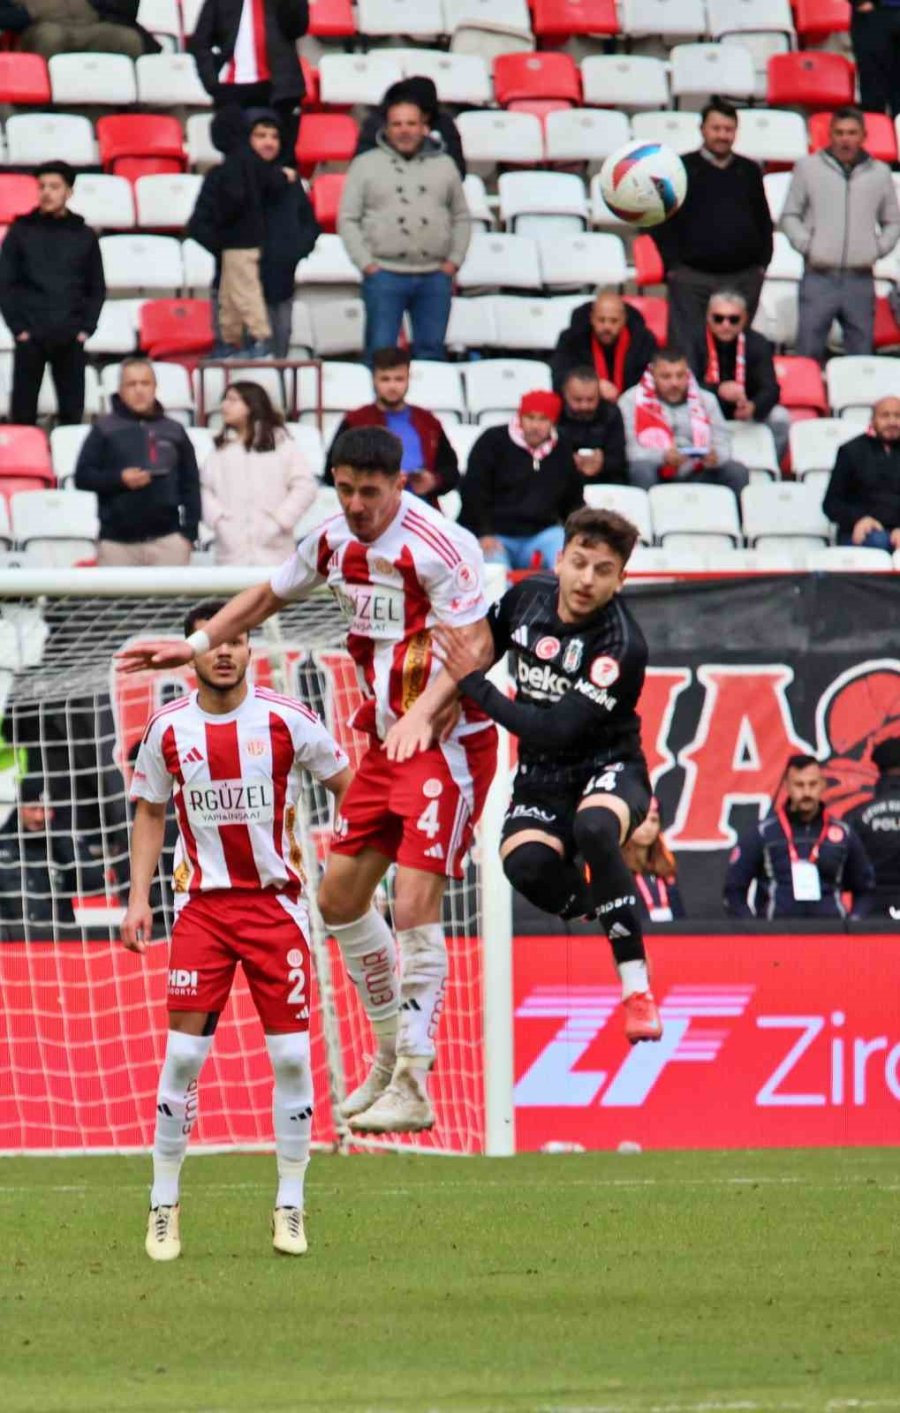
[877, 822]
[801, 857]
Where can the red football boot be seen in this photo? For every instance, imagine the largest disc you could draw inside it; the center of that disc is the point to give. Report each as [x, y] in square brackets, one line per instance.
[642, 1020]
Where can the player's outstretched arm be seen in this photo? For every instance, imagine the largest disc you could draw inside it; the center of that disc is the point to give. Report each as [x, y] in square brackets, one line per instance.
[147, 836]
[415, 731]
[245, 611]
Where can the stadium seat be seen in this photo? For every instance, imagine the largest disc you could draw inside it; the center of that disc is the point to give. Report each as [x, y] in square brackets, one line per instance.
[357, 78]
[881, 135]
[754, 446]
[458, 78]
[675, 19]
[571, 261]
[437, 386]
[173, 387]
[531, 203]
[849, 559]
[175, 328]
[18, 195]
[778, 313]
[106, 203]
[163, 18]
[77, 79]
[170, 81]
[200, 150]
[24, 78]
[47, 137]
[547, 75]
[584, 134]
[601, 215]
[471, 323]
[301, 341]
[344, 385]
[522, 324]
[128, 135]
[648, 265]
[500, 261]
[801, 384]
[462, 436]
[214, 381]
[386, 18]
[338, 327]
[331, 19]
[815, 443]
[116, 333]
[656, 314]
[166, 202]
[811, 79]
[682, 508]
[680, 131]
[326, 193]
[817, 21]
[776, 186]
[323, 507]
[145, 262]
[630, 501]
[859, 381]
[199, 268]
[774, 509]
[65, 444]
[769, 135]
[476, 199]
[624, 81]
[555, 21]
[489, 138]
[502, 17]
[61, 524]
[309, 440]
[887, 329]
[325, 137]
[750, 17]
[25, 452]
[328, 264]
[786, 262]
[496, 385]
[699, 70]
[47, 406]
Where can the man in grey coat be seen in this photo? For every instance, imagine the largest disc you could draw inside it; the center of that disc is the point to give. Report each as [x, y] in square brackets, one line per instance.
[842, 215]
[405, 224]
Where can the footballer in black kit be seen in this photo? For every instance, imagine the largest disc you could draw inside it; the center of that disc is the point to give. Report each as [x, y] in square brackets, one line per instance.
[581, 789]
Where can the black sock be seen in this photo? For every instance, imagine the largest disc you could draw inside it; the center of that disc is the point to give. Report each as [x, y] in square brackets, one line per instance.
[611, 884]
[548, 881]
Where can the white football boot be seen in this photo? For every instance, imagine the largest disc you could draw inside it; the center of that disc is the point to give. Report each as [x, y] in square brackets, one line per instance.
[288, 1235]
[404, 1107]
[365, 1094]
[163, 1241]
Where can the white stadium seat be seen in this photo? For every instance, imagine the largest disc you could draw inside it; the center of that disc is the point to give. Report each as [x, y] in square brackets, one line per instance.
[630, 501]
[771, 135]
[493, 259]
[302, 336]
[783, 508]
[471, 323]
[849, 559]
[458, 78]
[203, 442]
[62, 524]
[328, 264]
[462, 437]
[190, 13]
[79, 79]
[338, 327]
[776, 186]
[754, 446]
[215, 381]
[344, 385]
[170, 81]
[358, 78]
[476, 199]
[694, 509]
[859, 381]
[649, 19]
[815, 443]
[528, 323]
[750, 17]
[496, 385]
[529, 199]
[500, 136]
[199, 267]
[116, 331]
[778, 312]
[65, 444]
[588, 259]
[699, 70]
[106, 203]
[584, 134]
[147, 262]
[173, 388]
[323, 507]
[92, 400]
[49, 137]
[200, 149]
[386, 18]
[166, 202]
[437, 386]
[600, 212]
[624, 81]
[161, 17]
[680, 131]
[786, 262]
[309, 440]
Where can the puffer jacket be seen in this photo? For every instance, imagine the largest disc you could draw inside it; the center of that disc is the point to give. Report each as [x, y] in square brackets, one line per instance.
[253, 499]
[840, 219]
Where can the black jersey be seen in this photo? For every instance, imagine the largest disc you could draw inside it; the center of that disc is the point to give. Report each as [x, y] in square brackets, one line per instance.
[598, 666]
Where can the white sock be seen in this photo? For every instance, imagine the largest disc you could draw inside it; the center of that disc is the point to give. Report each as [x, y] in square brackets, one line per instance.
[292, 1110]
[386, 1037]
[370, 956]
[634, 978]
[176, 1112]
[423, 972]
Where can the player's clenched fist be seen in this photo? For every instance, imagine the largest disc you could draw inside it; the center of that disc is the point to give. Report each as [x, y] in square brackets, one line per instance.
[137, 927]
[154, 655]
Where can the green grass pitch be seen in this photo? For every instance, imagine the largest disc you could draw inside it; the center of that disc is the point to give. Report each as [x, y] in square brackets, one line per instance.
[681, 1282]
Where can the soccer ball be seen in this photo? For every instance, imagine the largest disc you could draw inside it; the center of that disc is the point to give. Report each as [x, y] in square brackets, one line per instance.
[644, 183]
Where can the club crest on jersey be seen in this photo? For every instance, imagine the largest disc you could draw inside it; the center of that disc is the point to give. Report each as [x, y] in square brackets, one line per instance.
[256, 747]
[380, 565]
[465, 577]
[835, 834]
[573, 655]
[295, 957]
[546, 649]
[432, 789]
[604, 671]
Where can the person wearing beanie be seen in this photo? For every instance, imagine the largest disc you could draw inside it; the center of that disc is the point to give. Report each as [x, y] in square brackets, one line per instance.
[419, 90]
[877, 823]
[42, 869]
[520, 485]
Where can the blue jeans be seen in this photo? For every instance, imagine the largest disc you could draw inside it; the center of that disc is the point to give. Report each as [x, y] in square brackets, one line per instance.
[876, 539]
[388, 295]
[518, 551]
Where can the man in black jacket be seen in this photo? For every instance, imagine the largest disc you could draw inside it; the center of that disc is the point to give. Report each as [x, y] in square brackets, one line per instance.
[863, 496]
[722, 235]
[609, 336]
[875, 34]
[51, 293]
[240, 60]
[877, 824]
[520, 485]
[421, 91]
[735, 362]
[593, 429]
[142, 467]
[42, 870]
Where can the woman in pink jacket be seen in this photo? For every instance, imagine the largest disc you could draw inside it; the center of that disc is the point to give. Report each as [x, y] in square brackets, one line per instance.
[256, 484]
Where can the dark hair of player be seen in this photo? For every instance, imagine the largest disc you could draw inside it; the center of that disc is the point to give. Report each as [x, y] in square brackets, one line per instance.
[669, 354]
[583, 374]
[593, 525]
[56, 169]
[718, 105]
[800, 762]
[848, 113]
[202, 612]
[368, 449]
[263, 422]
[384, 359]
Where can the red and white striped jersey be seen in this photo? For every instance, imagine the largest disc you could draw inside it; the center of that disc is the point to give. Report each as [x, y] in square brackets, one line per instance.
[424, 569]
[237, 778]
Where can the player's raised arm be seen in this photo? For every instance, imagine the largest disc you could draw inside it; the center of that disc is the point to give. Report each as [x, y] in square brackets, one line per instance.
[246, 610]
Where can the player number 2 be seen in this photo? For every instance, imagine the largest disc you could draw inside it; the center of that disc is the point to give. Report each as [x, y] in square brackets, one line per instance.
[298, 994]
[428, 820]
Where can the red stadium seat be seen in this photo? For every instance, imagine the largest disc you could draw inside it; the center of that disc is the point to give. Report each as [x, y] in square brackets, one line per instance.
[24, 78]
[656, 314]
[331, 19]
[881, 135]
[25, 456]
[529, 76]
[325, 137]
[539, 107]
[557, 20]
[18, 194]
[155, 135]
[817, 20]
[311, 82]
[326, 199]
[131, 168]
[811, 79]
[648, 265]
[175, 328]
[887, 330]
[801, 383]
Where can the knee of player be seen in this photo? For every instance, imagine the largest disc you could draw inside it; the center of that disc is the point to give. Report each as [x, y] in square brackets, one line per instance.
[336, 911]
[597, 830]
[530, 866]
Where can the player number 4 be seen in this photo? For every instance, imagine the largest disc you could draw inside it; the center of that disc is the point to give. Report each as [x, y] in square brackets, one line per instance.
[428, 820]
[298, 994]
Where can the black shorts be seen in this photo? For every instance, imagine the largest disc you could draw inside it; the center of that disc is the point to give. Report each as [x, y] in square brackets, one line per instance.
[540, 803]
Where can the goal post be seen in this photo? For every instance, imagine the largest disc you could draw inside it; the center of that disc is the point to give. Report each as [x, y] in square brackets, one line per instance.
[82, 1022]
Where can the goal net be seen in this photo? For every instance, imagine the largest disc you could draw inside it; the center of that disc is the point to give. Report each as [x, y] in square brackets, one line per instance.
[82, 1021]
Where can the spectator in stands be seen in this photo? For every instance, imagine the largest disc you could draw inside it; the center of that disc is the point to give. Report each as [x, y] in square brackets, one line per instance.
[520, 485]
[421, 91]
[593, 428]
[142, 467]
[429, 461]
[52, 27]
[51, 293]
[863, 496]
[41, 869]
[405, 224]
[654, 869]
[801, 857]
[877, 823]
[875, 33]
[675, 431]
[256, 484]
[609, 336]
[246, 53]
[723, 233]
[841, 213]
[735, 362]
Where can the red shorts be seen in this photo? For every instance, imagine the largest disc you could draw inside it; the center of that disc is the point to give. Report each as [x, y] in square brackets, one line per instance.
[265, 932]
[420, 813]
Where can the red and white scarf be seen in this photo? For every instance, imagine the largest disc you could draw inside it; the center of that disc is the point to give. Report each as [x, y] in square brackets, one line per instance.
[651, 427]
[537, 453]
[250, 61]
[601, 366]
[712, 374]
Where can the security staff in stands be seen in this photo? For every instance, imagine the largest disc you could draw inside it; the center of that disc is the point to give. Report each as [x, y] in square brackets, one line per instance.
[801, 857]
[877, 823]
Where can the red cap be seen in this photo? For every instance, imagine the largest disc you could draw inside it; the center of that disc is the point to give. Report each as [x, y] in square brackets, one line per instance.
[543, 404]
